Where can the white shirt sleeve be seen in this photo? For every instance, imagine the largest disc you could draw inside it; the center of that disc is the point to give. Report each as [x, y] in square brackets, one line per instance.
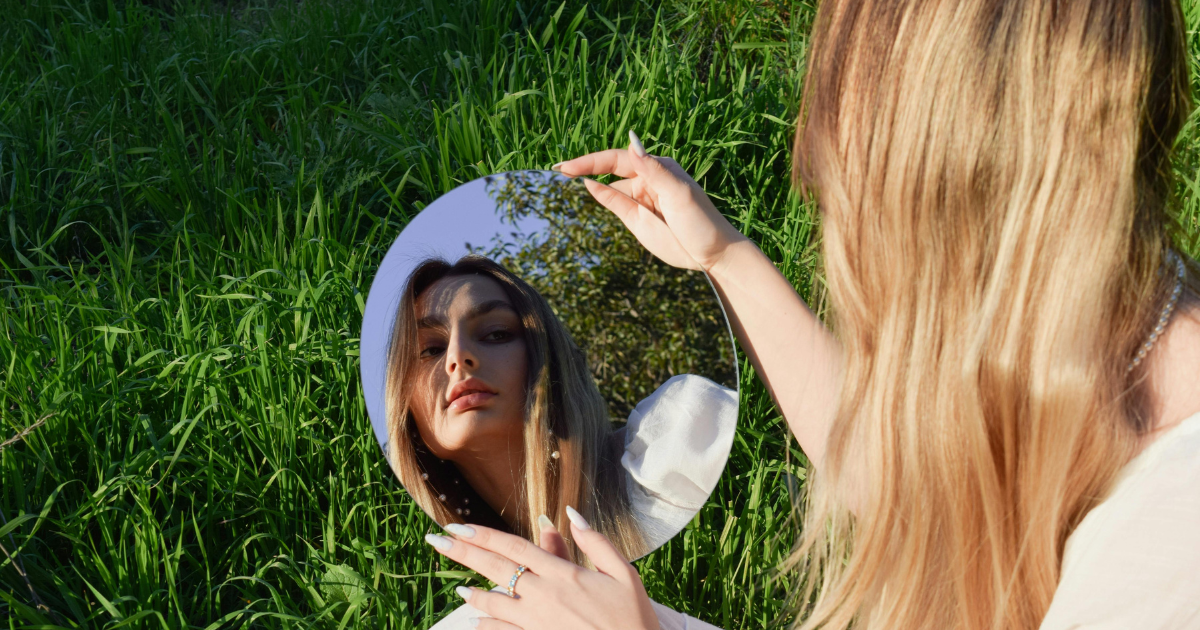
[458, 619]
[669, 619]
[1134, 560]
[676, 443]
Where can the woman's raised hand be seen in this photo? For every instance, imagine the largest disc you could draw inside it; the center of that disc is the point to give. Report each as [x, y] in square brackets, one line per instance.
[552, 593]
[672, 217]
[664, 208]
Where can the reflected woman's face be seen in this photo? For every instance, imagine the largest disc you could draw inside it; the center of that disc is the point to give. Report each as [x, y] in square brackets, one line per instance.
[470, 388]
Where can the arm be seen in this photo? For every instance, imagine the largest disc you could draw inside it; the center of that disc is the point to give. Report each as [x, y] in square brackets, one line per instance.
[793, 353]
[667, 211]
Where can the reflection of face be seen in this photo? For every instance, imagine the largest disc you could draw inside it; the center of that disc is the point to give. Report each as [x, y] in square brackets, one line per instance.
[470, 386]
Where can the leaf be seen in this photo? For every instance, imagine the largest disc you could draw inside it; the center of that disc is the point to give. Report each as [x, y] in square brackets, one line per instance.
[510, 98]
[114, 329]
[16, 522]
[758, 45]
[230, 296]
[343, 584]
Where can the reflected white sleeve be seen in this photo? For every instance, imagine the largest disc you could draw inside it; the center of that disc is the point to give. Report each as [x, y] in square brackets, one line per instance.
[676, 443]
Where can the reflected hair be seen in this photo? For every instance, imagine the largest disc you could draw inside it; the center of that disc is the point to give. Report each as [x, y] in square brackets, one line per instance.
[993, 180]
[564, 412]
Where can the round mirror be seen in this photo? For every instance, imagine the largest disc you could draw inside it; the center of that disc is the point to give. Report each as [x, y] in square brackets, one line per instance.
[522, 353]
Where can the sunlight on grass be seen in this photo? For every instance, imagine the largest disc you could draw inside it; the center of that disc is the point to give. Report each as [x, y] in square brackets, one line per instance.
[193, 204]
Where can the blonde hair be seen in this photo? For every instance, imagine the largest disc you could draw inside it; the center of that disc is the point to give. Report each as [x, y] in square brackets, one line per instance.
[565, 413]
[993, 179]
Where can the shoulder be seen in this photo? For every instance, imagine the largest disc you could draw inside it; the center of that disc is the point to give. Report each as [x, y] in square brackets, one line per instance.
[684, 403]
[676, 443]
[1133, 561]
[682, 427]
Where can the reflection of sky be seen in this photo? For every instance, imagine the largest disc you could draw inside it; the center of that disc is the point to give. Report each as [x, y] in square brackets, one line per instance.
[464, 216]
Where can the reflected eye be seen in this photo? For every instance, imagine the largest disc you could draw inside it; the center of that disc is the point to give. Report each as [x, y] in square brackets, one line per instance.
[498, 335]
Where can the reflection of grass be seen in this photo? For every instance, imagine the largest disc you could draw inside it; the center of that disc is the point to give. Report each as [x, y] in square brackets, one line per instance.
[192, 208]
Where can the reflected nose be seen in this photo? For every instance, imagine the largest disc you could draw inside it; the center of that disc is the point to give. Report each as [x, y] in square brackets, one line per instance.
[460, 353]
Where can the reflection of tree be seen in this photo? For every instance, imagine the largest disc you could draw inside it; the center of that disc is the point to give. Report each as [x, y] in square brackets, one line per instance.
[639, 320]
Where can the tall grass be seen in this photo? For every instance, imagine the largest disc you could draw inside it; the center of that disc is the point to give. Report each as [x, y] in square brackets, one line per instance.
[193, 201]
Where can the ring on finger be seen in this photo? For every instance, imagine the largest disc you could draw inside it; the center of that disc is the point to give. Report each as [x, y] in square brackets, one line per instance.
[512, 582]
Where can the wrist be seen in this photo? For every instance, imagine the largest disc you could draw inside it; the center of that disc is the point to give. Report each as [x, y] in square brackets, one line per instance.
[726, 264]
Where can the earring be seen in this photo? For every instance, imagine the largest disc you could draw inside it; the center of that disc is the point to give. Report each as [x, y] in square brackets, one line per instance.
[554, 455]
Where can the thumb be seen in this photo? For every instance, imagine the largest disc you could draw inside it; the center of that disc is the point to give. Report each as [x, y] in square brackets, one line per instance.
[600, 550]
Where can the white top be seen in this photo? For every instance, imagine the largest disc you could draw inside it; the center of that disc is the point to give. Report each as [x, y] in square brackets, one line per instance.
[671, 620]
[1134, 560]
[677, 440]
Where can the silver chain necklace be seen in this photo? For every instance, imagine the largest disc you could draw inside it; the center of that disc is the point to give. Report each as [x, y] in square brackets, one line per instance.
[1166, 312]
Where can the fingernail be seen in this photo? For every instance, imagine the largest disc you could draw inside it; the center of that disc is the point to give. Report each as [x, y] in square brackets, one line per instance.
[576, 518]
[458, 529]
[474, 621]
[440, 543]
[544, 522]
[636, 144]
[463, 592]
[557, 167]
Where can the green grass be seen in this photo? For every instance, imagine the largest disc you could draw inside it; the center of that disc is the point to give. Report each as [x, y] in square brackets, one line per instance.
[193, 202]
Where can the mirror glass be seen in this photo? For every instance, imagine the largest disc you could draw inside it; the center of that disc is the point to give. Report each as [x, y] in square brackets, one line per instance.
[521, 352]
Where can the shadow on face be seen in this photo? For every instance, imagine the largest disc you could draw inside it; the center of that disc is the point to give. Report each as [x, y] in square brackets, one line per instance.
[471, 374]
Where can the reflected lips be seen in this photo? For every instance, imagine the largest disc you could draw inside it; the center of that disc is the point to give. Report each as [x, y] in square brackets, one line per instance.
[469, 394]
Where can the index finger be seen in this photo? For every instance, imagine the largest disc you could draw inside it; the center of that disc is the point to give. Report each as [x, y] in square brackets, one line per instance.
[515, 548]
[615, 161]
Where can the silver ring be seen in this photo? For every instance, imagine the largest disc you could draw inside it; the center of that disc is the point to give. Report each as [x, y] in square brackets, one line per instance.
[512, 582]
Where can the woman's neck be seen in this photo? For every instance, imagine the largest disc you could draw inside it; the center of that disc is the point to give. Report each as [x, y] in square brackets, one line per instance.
[494, 472]
[1173, 366]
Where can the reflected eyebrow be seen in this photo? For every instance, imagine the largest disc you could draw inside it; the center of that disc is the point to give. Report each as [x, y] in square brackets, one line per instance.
[483, 308]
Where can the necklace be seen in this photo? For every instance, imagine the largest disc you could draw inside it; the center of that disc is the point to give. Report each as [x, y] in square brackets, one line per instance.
[1166, 312]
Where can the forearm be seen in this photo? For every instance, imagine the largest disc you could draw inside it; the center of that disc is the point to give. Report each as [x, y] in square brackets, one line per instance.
[793, 352]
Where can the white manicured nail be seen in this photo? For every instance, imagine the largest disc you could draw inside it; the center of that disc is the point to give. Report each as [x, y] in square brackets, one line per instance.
[458, 529]
[577, 519]
[463, 592]
[439, 542]
[635, 143]
[544, 522]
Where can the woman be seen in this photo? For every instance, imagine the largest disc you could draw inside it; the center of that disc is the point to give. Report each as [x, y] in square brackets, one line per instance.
[494, 417]
[1005, 429]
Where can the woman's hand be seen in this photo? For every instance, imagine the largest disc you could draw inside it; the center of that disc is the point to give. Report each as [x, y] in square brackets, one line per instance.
[664, 208]
[553, 593]
[797, 358]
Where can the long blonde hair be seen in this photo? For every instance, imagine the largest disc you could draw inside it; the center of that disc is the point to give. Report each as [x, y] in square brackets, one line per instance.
[993, 178]
[565, 415]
